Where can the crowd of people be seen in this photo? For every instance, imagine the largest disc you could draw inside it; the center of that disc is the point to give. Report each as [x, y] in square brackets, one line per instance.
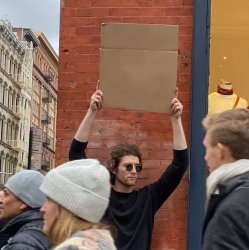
[83, 205]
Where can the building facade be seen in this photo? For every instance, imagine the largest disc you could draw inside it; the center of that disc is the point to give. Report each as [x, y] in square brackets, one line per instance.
[13, 141]
[80, 35]
[202, 66]
[29, 42]
[28, 95]
[44, 104]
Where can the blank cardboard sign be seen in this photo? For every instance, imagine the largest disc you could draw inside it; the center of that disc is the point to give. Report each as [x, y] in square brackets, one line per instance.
[138, 66]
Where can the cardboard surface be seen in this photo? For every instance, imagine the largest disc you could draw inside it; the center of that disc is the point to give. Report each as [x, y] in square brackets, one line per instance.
[138, 73]
[139, 36]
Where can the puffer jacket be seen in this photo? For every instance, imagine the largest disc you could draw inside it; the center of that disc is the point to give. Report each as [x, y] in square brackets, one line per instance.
[92, 239]
[24, 232]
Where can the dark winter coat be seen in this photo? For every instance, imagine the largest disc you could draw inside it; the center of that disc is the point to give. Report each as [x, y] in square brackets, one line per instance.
[227, 220]
[24, 232]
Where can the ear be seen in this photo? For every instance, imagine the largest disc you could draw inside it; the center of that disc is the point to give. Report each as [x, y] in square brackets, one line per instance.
[224, 151]
[114, 171]
[23, 206]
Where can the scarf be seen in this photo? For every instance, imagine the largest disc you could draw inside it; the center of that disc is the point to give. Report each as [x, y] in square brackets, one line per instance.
[223, 173]
[91, 239]
[224, 91]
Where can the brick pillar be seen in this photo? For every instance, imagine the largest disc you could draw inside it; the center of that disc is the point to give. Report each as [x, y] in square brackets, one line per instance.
[78, 74]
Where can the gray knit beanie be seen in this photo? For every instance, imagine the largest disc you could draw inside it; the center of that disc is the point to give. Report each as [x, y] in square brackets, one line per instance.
[25, 186]
[81, 186]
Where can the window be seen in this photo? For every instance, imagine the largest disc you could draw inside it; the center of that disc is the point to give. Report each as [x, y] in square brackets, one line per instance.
[8, 132]
[11, 67]
[13, 101]
[3, 96]
[1, 92]
[2, 128]
[1, 56]
[17, 102]
[16, 132]
[10, 95]
[6, 61]
[6, 172]
[229, 52]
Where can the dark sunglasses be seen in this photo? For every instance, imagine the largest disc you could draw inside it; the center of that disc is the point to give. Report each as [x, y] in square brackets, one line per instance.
[129, 167]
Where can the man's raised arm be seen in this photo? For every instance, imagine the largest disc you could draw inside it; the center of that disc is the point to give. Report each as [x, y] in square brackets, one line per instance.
[79, 142]
[179, 140]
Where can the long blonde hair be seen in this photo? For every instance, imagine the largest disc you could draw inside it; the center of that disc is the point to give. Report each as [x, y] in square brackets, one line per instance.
[66, 224]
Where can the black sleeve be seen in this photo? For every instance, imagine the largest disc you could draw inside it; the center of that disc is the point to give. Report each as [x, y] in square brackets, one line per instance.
[170, 179]
[77, 150]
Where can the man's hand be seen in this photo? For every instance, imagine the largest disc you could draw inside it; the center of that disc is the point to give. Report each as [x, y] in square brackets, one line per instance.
[96, 100]
[176, 108]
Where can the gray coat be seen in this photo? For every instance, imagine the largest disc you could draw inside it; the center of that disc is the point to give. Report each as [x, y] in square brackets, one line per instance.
[24, 232]
[226, 224]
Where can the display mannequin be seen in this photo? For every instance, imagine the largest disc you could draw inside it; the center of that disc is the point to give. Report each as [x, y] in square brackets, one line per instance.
[225, 99]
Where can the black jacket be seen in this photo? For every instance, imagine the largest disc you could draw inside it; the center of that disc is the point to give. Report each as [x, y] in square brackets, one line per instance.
[24, 232]
[1, 225]
[133, 213]
[226, 224]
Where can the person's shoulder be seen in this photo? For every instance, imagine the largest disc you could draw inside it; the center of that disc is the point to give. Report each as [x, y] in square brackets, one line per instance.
[74, 243]
[146, 191]
[236, 202]
[240, 195]
[97, 238]
[31, 237]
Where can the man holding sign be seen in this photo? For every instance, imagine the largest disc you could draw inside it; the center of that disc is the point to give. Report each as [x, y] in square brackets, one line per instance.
[132, 211]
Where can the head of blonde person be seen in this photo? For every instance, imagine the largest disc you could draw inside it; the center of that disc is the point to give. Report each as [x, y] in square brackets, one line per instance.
[77, 197]
[227, 137]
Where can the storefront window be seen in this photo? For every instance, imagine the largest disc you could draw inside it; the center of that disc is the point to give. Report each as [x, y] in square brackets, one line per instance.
[229, 55]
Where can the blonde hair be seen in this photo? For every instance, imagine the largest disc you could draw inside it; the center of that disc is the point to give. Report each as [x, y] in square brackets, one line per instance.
[230, 128]
[66, 224]
[209, 120]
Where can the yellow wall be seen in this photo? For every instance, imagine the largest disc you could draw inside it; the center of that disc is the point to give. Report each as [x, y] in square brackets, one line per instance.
[229, 51]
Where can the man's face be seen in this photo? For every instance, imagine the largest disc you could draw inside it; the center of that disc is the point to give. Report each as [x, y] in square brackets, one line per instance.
[213, 154]
[123, 177]
[10, 206]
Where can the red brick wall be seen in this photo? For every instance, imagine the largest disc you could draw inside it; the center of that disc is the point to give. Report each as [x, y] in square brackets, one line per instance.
[78, 74]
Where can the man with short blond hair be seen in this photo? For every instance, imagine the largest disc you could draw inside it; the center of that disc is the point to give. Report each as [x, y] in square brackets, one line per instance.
[226, 141]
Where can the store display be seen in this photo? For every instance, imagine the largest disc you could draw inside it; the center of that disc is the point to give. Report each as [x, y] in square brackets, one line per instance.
[225, 99]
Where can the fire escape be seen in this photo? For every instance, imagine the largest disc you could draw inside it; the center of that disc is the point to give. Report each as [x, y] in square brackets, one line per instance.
[46, 119]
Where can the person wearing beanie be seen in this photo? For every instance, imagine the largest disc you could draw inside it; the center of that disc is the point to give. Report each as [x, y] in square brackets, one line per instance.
[20, 210]
[77, 197]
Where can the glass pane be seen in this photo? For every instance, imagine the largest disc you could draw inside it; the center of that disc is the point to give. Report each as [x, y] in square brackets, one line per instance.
[229, 54]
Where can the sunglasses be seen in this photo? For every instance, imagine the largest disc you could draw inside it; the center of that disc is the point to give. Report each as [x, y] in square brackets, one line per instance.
[129, 167]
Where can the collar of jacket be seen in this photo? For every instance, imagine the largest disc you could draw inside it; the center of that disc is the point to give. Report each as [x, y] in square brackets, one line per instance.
[225, 189]
[14, 225]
